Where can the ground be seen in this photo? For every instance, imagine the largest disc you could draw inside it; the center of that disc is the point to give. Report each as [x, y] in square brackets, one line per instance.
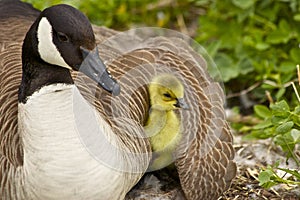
[251, 156]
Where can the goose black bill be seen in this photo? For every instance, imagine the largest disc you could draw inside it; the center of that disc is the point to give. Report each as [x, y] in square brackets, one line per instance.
[93, 67]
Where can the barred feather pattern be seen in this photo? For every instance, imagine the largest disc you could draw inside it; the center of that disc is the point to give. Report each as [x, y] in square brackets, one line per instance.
[204, 157]
[11, 154]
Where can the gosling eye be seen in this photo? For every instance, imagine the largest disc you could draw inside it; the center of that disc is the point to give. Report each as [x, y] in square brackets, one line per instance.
[63, 37]
[167, 95]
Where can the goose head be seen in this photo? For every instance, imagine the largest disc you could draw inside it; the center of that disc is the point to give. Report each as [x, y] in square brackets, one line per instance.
[166, 93]
[61, 39]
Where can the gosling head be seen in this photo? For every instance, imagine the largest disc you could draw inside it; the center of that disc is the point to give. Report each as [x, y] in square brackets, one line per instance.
[166, 93]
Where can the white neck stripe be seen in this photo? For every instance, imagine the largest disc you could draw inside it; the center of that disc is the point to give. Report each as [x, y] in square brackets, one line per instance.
[46, 48]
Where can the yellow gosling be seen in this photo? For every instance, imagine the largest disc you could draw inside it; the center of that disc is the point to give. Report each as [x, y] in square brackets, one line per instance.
[163, 124]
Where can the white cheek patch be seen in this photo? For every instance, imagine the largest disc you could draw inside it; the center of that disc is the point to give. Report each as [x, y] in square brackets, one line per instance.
[46, 48]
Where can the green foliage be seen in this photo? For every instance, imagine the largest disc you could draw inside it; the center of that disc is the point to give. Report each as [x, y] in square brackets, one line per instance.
[122, 15]
[253, 41]
[269, 177]
[250, 40]
[282, 124]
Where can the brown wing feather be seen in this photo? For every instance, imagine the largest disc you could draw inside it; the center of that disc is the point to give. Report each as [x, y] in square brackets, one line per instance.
[10, 78]
[204, 157]
[15, 20]
[12, 34]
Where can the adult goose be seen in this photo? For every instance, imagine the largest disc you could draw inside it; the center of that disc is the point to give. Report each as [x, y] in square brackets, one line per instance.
[50, 134]
[40, 155]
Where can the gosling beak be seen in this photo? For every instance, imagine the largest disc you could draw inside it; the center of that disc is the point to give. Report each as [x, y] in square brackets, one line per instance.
[181, 104]
[93, 67]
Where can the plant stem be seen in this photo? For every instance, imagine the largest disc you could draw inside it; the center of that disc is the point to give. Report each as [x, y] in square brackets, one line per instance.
[292, 153]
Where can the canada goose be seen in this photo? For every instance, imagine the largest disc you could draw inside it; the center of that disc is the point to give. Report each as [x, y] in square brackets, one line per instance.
[163, 125]
[205, 153]
[48, 130]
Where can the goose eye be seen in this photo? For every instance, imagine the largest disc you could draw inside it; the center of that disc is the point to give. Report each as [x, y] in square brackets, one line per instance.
[167, 95]
[62, 37]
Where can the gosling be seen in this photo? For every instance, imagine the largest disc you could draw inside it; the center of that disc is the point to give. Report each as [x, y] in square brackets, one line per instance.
[163, 125]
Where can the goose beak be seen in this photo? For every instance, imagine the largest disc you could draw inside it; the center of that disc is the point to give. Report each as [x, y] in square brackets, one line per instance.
[181, 104]
[93, 67]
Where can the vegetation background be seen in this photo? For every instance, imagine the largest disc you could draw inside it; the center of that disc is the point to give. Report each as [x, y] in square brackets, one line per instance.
[255, 44]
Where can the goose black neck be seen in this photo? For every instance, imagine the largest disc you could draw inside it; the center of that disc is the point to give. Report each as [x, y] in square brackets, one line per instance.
[36, 75]
[36, 72]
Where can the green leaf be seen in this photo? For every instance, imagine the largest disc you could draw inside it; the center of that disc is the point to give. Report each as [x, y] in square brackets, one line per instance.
[243, 4]
[297, 17]
[245, 66]
[278, 120]
[245, 14]
[286, 142]
[297, 110]
[260, 134]
[213, 48]
[268, 177]
[293, 172]
[202, 2]
[295, 55]
[296, 118]
[262, 111]
[227, 69]
[287, 77]
[248, 40]
[280, 109]
[295, 134]
[280, 93]
[263, 125]
[265, 176]
[265, 179]
[285, 127]
[287, 67]
[277, 37]
[284, 26]
[262, 46]
[282, 34]
[232, 34]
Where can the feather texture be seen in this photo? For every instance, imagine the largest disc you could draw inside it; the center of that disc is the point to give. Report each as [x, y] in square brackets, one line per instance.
[205, 154]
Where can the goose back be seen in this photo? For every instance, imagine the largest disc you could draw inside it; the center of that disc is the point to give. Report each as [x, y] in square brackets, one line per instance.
[206, 148]
[15, 20]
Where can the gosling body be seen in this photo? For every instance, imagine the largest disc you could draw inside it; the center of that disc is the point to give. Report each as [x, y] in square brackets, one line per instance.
[164, 125]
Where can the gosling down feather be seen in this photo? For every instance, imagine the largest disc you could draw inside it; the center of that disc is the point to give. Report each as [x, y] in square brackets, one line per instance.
[204, 155]
[163, 125]
[41, 155]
